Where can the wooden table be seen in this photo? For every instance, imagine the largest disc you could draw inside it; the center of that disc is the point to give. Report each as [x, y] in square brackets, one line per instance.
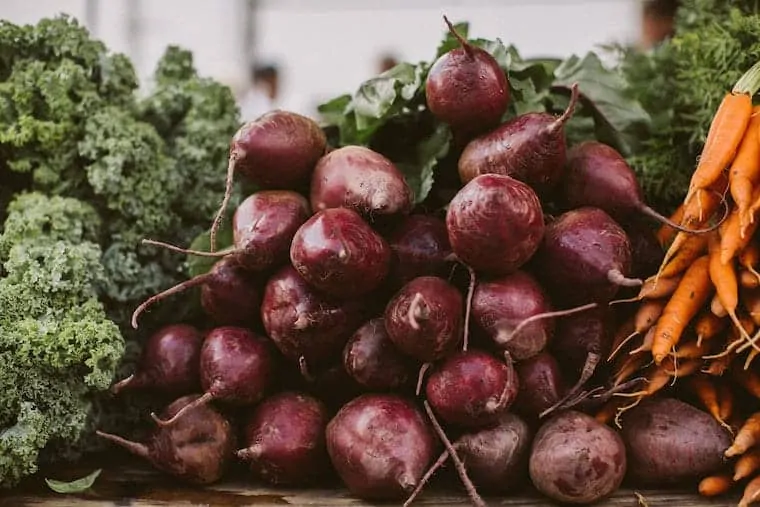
[128, 483]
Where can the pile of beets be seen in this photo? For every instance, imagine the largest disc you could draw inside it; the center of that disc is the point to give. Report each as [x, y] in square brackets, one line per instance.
[357, 336]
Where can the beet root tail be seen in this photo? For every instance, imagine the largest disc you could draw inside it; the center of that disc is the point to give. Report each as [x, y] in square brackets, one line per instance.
[207, 397]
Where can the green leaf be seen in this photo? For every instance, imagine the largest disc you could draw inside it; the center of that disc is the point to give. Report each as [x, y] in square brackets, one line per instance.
[76, 486]
[619, 119]
[420, 170]
[333, 112]
[197, 265]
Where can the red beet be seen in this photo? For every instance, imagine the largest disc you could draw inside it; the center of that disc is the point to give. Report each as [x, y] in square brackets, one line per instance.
[198, 449]
[278, 150]
[337, 252]
[585, 257]
[424, 318]
[229, 294]
[495, 224]
[466, 88]
[472, 389]
[305, 324]
[286, 440]
[541, 385]
[237, 367]
[530, 148]
[380, 445]
[646, 252]
[169, 363]
[361, 179]
[420, 245]
[372, 360]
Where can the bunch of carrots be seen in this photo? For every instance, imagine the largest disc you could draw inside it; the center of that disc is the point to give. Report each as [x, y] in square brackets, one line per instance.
[698, 317]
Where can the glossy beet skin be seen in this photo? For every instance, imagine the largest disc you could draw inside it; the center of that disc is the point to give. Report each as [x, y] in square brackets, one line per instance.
[579, 335]
[420, 246]
[305, 323]
[433, 327]
[197, 449]
[576, 459]
[541, 385]
[285, 435]
[337, 252]
[471, 389]
[584, 255]
[499, 305]
[495, 224]
[361, 179]
[380, 445]
[467, 89]
[264, 225]
[169, 363]
[374, 362]
[278, 150]
[230, 296]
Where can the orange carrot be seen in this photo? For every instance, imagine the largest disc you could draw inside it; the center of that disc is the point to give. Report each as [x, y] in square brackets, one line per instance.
[717, 308]
[708, 325]
[723, 278]
[666, 233]
[661, 288]
[748, 280]
[715, 485]
[751, 355]
[705, 389]
[734, 238]
[693, 247]
[747, 464]
[717, 367]
[744, 174]
[748, 379]
[693, 291]
[622, 336]
[628, 367]
[725, 400]
[751, 300]
[751, 493]
[747, 437]
[750, 256]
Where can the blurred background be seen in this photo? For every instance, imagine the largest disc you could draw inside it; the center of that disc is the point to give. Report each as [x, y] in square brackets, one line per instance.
[297, 53]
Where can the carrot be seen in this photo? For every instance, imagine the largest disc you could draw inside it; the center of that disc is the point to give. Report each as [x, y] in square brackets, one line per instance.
[751, 493]
[607, 413]
[726, 285]
[750, 257]
[689, 350]
[691, 249]
[707, 392]
[750, 357]
[708, 325]
[665, 234]
[646, 343]
[748, 379]
[725, 400]
[747, 437]
[747, 464]
[684, 304]
[744, 174]
[734, 238]
[623, 335]
[748, 280]
[629, 366]
[715, 485]
[717, 367]
[716, 307]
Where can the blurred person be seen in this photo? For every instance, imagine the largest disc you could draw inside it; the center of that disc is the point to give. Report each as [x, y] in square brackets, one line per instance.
[263, 93]
[657, 21]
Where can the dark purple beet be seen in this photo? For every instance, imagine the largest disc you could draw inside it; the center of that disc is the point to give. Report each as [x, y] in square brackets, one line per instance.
[169, 363]
[305, 323]
[541, 385]
[585, 257]
[372, 360]
[229, 294]
[472, 388]
[499, 305]
[361, 179]
[337, 252]
[646, 252]
[495, 224]
[466, 88]
[285, 435]
[424, 318]
[237, 367]
[333, 385]
[420, 245]
[276, 151]
[380, 445]
[197, 449]
[530, 148]
[264, 225]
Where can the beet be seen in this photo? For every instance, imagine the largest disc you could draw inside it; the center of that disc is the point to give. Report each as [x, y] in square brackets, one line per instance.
[585, 257]
[575, 459]
[361, 179]
[646, 252]
[229, 294]
[237, 367]
[424, 318]
[197, 449]
[471, 388]
[495, 224]
[372, 360]
[333, 385]
[305, 324]
[169, 363]
[530, 148]
[541, 385]
[380, 445]
[420, 246]
[286, 440]
[466, 88]
[337, 252]
[276, 151]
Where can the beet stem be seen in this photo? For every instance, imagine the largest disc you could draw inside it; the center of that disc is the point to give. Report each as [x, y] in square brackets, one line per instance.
[303, 367]
[592, 360]
[122, 384]
[491, 405]
[425, 478]
[421, 378]
[574, 95]
[468, 309]
[207, 397]
[462, 41]
[545, 315]
[187, 251]
[415, 312]
[225, 201]
[651, 213]
[136, 448]
[180, 287]
[249, 453]
[616, 277]
[469, 486]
